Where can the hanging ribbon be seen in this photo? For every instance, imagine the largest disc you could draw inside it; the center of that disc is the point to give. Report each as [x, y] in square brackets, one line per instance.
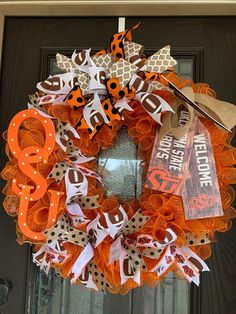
[46, 257]
[123, 248]
[62, 232]
[75, 175]
[189, 264]
[65, 133]
[130, 249]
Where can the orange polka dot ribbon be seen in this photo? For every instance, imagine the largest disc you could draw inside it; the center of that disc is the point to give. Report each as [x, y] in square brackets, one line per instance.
[55, 185]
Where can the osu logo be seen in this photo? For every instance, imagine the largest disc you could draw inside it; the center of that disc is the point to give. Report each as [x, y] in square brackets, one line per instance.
[180, 259]
[188, 271]
[49, 257]
[202, 201]
[61, 258]
[158, 179]
[144, 240]
[168, 259]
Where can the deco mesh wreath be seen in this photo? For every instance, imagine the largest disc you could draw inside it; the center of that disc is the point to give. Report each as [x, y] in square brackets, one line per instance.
[53, 182]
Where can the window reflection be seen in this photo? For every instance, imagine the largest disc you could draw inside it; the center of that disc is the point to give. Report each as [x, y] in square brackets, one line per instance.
[120, 167]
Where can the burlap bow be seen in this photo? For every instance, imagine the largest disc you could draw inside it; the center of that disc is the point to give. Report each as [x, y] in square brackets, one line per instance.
[221, 111]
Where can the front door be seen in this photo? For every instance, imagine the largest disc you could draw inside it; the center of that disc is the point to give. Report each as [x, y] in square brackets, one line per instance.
[205, 48]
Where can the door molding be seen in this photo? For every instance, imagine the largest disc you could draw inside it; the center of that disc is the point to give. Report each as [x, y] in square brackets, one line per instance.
[155, 50]
[194, 53]
[117, 7]
[113, 8]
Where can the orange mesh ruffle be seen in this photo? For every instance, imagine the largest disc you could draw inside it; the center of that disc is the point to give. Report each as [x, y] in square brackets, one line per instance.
[165, 210]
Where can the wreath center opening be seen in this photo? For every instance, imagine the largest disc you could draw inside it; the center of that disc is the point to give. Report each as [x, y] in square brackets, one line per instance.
[121, 167]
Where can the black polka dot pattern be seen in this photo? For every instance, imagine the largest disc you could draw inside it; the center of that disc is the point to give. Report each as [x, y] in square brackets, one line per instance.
[106, 106]
[113, 85]
[62, 230]
[98, 277]
[193, 240]
[136, 259]
[98, 127]
[121, 93]
[77, 237]
[89, 202]
[152, 253]
[58, 172]
[80, 99]
[54, 234]
[135, 224]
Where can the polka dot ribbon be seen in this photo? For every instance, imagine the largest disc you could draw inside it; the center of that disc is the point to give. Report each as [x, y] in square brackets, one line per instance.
[102, 85]
[75, 176]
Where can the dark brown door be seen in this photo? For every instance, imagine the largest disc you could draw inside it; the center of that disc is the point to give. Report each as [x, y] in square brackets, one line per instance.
[205, 48]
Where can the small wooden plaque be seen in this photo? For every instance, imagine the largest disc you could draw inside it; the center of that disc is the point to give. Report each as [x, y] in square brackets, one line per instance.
[169, 161]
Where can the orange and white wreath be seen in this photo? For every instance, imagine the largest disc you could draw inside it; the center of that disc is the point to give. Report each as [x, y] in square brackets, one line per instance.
[57, 194]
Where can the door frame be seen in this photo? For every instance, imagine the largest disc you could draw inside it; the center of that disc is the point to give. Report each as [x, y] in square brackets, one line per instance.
[109, 8]
[113, 8]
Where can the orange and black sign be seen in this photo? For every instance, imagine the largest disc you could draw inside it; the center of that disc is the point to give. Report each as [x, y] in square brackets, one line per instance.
[169, 160]
[158, 179]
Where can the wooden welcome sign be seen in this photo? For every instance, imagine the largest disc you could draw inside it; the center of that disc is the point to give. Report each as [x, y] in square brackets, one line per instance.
[201, 195]
[186, 167]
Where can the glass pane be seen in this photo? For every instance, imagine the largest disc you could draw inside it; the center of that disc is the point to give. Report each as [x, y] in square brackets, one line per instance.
[121, 170]
[53, 69]
[185, 68]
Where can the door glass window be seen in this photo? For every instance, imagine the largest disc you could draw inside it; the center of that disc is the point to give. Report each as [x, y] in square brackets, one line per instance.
[185, 66]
